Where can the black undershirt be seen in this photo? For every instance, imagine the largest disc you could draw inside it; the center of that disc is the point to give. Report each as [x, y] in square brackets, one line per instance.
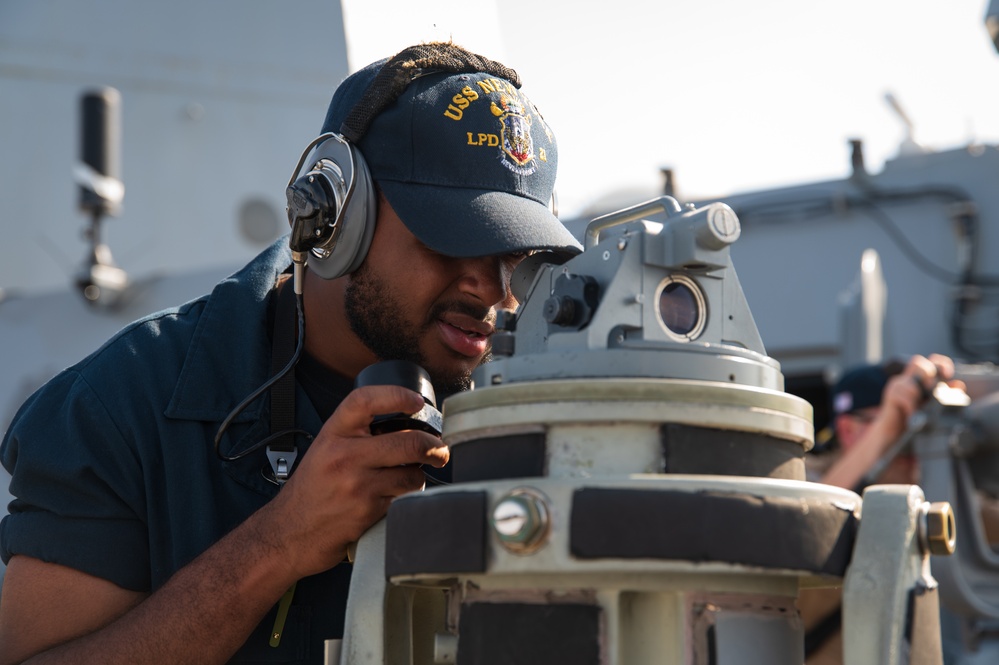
[325, 388]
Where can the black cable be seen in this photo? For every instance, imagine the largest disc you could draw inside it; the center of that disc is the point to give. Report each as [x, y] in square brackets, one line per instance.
[965, 340]
[299, 345]
[828, 204]
[902, 242]
[434, 481]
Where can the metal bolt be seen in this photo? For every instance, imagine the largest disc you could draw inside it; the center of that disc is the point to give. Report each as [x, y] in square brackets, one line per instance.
[511, 518]
[520, 520]
[938, 529]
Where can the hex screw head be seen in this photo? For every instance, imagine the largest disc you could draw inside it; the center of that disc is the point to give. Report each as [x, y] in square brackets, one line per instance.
[520, 520]
[939, 529]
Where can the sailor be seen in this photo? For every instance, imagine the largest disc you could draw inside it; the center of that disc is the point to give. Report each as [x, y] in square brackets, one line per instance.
[156, 517]
[872, 405]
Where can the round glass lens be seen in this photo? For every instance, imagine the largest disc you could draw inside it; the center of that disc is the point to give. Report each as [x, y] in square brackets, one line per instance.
[678, 308]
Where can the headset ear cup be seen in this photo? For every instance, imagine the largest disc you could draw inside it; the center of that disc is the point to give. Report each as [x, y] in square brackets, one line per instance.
[331, 207]
[357, 227]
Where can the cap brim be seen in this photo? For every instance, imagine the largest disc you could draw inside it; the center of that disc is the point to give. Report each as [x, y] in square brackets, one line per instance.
[463, 222]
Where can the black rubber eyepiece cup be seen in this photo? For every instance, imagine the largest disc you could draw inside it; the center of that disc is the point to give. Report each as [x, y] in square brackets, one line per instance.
[408, 375]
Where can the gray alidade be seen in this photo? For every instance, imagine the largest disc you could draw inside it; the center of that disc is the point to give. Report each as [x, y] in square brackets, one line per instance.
[629, 485]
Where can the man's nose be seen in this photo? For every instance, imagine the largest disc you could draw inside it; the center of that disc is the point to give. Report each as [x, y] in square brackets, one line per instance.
[488, 279]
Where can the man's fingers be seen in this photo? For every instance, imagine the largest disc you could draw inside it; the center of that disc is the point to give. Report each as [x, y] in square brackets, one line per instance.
[401, 480]
[925, 373]
[957, 384]
[354, 415]
[407, 447]
[944, 366]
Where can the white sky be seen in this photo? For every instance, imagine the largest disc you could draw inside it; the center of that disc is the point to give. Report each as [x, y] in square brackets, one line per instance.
[733, 95]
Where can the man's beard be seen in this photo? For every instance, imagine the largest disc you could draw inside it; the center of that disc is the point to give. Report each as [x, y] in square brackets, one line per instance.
[376, 318]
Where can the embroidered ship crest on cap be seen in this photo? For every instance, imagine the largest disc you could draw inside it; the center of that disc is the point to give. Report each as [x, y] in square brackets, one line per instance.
[515, 135]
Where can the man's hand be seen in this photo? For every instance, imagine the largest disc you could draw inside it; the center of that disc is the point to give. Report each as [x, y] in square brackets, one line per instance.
[906, 393]
[348, 477]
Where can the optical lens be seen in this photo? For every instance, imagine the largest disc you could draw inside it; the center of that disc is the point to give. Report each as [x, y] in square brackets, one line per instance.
[681, 308]
[678, 308]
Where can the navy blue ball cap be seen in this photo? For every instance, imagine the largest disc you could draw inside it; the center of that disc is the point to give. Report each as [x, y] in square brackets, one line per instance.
[859, 388]
[463, 157]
